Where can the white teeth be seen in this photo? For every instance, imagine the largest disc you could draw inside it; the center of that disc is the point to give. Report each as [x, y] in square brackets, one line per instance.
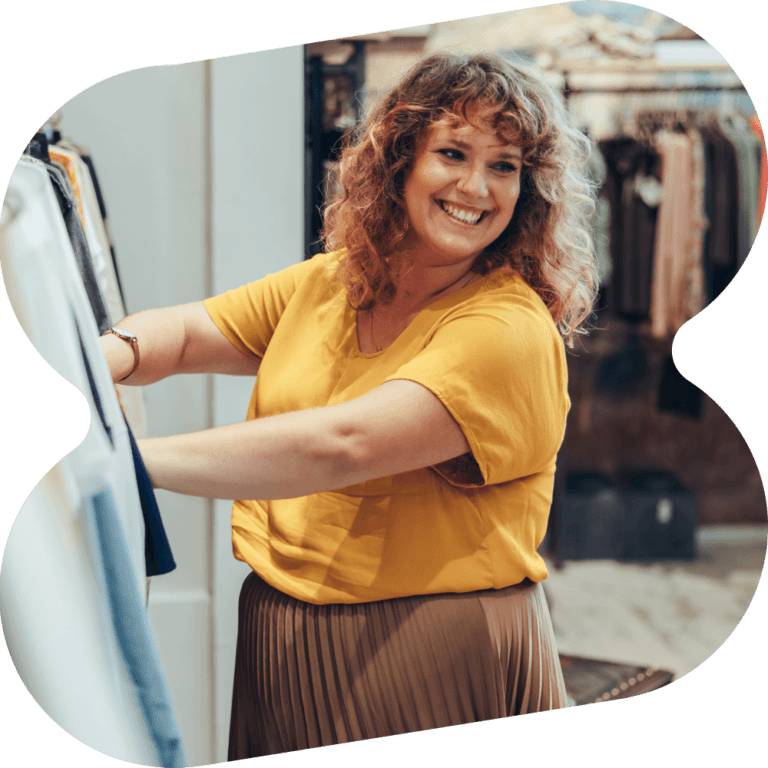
[461, 215]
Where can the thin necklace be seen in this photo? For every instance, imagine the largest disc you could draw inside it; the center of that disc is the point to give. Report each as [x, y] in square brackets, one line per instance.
[376, 347]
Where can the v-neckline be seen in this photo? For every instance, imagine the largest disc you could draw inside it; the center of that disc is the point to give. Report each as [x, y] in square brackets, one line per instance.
[358, 348]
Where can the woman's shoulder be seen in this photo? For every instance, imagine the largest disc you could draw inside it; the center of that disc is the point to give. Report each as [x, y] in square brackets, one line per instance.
[321, 265]
[507, 291]
[311, 272]
[504, 301]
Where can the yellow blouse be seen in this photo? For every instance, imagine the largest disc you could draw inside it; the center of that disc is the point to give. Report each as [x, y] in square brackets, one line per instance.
[493, 356]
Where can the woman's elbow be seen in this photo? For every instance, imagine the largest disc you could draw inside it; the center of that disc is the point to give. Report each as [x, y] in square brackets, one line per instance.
[344, 457]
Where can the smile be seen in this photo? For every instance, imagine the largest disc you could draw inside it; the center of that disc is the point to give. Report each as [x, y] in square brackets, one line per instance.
[462, 214]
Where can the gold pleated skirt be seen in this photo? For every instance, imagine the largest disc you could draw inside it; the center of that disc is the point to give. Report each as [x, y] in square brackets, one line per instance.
[313, 675]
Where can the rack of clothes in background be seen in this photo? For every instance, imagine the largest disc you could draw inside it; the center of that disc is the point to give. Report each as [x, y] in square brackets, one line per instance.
[684, 191]
[681, 189]
[74, 583]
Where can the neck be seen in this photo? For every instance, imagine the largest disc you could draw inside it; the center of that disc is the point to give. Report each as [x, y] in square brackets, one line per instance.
[424, 284]
[409, 300]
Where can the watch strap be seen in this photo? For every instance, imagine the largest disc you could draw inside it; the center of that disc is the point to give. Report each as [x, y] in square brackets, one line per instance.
[133, 341]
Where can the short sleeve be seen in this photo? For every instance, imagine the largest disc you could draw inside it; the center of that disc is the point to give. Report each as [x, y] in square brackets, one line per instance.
[499, 368]
[248, 315]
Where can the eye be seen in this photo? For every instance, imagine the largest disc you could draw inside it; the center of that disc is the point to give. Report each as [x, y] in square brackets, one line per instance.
[451, 154]
[505, 168]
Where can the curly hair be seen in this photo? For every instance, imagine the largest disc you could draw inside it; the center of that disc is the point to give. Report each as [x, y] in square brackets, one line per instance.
[548, 240]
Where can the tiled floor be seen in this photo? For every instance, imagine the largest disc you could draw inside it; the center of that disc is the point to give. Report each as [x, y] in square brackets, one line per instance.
[673, 615]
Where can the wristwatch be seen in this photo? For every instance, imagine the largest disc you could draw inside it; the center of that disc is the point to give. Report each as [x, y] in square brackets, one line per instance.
[133, 341]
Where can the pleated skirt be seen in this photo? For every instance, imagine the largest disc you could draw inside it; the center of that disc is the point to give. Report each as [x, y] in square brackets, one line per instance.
[314, 675]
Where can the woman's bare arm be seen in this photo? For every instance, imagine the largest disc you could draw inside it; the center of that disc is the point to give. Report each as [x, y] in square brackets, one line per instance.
[399, 426]
[180, 339]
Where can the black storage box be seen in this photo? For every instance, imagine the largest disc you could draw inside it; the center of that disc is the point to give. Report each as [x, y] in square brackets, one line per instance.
[660, 518]
[589, 519]
[645, 517]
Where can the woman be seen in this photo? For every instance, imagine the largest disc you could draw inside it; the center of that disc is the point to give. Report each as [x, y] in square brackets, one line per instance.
[402, 433]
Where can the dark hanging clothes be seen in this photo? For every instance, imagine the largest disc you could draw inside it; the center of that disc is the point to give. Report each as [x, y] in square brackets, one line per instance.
[721, 249]
[676, 394]
[157, 550]
[632, 189]
[38, 149]
[79, 245]
[625, 372]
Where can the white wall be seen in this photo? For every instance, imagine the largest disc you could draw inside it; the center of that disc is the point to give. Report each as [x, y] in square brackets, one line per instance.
[201, 167]
[258, 220]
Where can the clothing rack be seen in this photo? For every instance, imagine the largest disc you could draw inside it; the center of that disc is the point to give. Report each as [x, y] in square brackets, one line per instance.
[568, 91]
[732, 96]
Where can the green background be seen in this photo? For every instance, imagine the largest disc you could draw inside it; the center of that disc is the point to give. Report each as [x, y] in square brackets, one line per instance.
[51, 51]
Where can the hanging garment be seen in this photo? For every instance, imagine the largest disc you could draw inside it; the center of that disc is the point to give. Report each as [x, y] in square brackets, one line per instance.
[722, 235]
[73, 571]
[37, 150]
[633, 192]
[157, 551]
[597, 171]
[692, 297]
[77, 174]
[745, 144]
[625, 372]
[68, 163]
[85, 156]
[103, 259]
[673, 230]
[676, 394]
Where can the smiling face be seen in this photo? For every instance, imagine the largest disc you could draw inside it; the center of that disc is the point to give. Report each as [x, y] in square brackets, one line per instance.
[460, 193]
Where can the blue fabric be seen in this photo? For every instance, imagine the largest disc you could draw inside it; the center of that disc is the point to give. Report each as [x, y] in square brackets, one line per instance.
[133, 633]
[157, 550]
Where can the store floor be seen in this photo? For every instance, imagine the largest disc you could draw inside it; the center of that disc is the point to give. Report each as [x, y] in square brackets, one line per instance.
[673, 615]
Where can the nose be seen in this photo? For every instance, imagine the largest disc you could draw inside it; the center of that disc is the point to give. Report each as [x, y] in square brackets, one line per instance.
[473, 182]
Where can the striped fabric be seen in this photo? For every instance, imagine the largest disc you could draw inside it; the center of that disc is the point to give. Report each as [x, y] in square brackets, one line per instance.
[311, 675]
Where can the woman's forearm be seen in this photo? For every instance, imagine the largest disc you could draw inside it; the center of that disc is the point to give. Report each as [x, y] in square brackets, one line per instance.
[180, 339]
[279, 457]
[398, 427]
[161, 338]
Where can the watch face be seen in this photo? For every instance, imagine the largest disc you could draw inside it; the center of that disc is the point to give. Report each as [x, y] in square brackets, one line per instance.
[126, 334]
